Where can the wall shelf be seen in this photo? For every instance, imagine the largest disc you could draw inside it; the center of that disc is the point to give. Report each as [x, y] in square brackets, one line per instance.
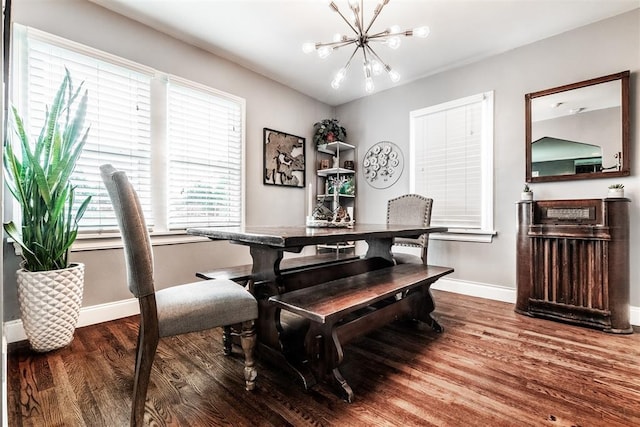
[335, 154]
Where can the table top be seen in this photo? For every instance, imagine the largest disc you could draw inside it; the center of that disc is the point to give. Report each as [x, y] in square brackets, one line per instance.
[300, 235]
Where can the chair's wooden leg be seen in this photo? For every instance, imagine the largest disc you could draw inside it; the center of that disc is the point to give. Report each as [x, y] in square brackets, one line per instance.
[248, 342]
[226, 340]
[147, 344]
[148, 338]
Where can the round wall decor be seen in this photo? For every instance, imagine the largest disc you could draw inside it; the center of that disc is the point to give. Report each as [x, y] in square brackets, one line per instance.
[383, 164]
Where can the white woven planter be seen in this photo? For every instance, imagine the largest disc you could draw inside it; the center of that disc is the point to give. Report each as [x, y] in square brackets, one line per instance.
[50, 304]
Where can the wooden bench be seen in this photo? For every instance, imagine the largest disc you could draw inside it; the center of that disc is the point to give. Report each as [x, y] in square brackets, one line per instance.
[242, 273]
[342, 309]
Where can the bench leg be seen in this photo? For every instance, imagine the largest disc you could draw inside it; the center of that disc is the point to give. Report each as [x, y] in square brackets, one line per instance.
[433, 323]
[292, 347]
[341, 382]
[325, 353]
[427, 307]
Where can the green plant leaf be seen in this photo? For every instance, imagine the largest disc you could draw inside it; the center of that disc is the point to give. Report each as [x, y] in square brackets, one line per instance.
[40, 180]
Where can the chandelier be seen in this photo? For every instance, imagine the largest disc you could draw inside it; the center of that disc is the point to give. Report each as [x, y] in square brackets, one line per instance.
[372, 63]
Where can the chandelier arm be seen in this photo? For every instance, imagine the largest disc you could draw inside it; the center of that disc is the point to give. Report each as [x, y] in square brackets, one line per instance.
[373, 52]
[350, 58]
[359, 18]
[376, 12]
[334, 7]
[336, 45]
[366, 61]
[381, 34]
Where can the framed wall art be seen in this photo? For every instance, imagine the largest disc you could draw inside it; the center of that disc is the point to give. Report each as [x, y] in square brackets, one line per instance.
[284, 159]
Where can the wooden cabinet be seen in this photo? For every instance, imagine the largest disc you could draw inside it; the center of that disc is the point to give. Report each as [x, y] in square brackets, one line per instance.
[573, 261]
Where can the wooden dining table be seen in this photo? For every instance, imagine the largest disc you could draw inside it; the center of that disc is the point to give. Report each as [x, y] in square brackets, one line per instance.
[267, 245]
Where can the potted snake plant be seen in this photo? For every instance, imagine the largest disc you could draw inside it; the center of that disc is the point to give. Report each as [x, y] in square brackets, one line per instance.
[38, 175]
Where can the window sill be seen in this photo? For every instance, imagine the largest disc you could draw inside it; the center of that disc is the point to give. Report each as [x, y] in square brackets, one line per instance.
[100, 241]
[476, 236]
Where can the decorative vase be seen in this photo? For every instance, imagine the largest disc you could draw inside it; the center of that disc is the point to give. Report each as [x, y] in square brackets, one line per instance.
[616, 192]
[526, 195]
[49, 303]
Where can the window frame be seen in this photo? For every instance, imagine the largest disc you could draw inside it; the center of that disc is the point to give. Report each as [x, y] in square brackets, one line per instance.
[160, 234]
[486, 230]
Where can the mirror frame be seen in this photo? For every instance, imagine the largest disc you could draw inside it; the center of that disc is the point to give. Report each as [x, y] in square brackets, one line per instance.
[625, 169]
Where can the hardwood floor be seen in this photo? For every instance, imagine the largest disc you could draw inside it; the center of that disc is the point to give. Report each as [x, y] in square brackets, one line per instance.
[490, 367]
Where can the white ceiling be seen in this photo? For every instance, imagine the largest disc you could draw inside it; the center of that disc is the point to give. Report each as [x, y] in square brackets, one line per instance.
[267, 35]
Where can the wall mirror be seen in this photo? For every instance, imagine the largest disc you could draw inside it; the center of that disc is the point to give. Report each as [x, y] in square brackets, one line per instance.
[578, 131]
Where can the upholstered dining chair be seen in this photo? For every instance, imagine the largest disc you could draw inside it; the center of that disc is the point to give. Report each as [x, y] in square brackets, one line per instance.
[410, 209]
[175, 310]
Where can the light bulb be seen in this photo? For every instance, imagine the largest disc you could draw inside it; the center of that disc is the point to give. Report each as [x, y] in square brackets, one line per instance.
[421, 32]
[368, 85]
[353, 18]
[366, 67]
[308, 47]
[394, 29]
[394, 76]
[337, 80]
[324, 51]
[393, 42]
[376, 67]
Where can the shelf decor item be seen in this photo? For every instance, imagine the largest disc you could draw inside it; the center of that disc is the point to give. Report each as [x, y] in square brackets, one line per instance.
[328, 130]
[616, 190]
[526, 194]
[49, 287]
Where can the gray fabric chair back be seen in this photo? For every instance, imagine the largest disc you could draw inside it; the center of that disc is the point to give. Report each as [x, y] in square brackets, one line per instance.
[137, 245]
[412, 209]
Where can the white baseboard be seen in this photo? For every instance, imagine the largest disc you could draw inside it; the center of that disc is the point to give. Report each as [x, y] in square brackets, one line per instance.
[500, 293]
[118, 309]
[88, 316]
[474, 289]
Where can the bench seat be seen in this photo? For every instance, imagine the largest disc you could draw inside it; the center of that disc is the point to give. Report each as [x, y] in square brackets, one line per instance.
[242, 273]
[325, 302]
[342, 309]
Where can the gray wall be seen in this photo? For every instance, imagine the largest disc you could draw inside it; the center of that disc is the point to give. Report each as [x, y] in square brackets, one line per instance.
[269, 104]
[599, 49]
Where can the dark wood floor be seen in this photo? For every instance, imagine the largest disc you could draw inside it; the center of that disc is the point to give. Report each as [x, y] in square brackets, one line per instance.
[490, 367]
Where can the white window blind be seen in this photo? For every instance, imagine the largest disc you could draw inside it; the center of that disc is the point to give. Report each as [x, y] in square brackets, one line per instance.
[118, 114]
[204, 157]
[451, 152]
[181, 143]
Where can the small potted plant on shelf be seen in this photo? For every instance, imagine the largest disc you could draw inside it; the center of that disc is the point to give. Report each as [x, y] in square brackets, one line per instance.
[38, 175]
[616, 190]
[526, 194]
[328, 130]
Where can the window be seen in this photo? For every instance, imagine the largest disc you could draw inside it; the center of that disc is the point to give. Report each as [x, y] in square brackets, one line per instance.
[451, 151]
[205, 140]
[180, 143]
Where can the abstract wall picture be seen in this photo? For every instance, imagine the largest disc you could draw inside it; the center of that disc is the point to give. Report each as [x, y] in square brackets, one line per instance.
[284, 159]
